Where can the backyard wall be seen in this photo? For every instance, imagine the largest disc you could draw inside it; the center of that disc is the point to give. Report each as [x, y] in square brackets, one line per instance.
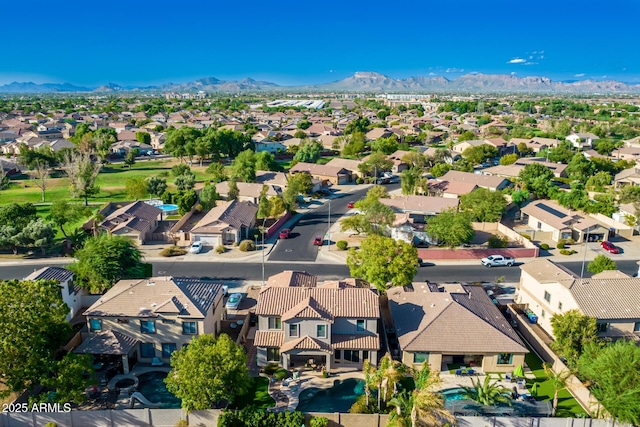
[209, 418]
[574, 385]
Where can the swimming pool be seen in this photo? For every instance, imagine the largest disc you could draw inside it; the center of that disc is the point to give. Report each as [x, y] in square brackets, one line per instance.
[338, 398]
[456, 393]
[152, 386]
[168, 208]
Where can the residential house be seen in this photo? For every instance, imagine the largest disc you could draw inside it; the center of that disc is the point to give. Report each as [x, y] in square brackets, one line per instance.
[143, 320]
[627, 177]
[611, 297]
[70, 293]
[398, 164]
[503, 146]
[348, 164]
[327, 174]
[552, 221]
[513, 170]
[275, 179]
[627, 153]
[273, 147]
[483, 181]
[227, 223]
[137, 220]
[301, 321]
[248, 191]
[121, 148]
[461, 146]
[450, 190]
[582, 140]
[377, 133]
[452, 324]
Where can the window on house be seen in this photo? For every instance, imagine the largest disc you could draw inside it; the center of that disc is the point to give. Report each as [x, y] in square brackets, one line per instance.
[167, 349]
[122, 320]
[70, 286]
[273, 355]
[542, 313]
[559, 306]
[336, 356]
[547, 296]
[169, 321]
[147, 350]
[351, 355]
[147, 327]
[275, 323]
[293, 330]
[505, 359]
[602, 327]
[360, 325]
[420, 357]
[365, 355]
[636, 327]
[321, 331]
[95, 325]
[189, 328]
[539, 225]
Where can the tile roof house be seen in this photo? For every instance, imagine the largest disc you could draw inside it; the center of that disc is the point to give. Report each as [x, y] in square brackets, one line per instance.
[513, 170]
[461, 146]
[327, 174]
[136, 220]
[334, 323]
[450, 190]
[248, 191]
[143, 319]
[228, 222]
[611, 297]
[552, 221]
[71, 294]
[348, 164]
[627, 177]
[276, 179]
[484, 181]
[121, 148]
[452, 323]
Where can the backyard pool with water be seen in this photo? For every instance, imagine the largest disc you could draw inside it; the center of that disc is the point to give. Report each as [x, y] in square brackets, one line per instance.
[152, 386]
[338, 398]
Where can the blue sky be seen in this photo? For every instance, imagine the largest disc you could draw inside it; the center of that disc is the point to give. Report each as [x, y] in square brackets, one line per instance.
[140, 42]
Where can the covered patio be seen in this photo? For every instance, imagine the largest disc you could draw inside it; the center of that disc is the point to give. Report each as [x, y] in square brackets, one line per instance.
[306, 348]
[112, 352]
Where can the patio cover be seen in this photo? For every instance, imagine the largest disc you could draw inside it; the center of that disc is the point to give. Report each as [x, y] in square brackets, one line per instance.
[107, 342]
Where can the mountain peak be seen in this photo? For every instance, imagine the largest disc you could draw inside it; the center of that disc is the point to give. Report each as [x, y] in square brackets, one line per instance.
[368, 75]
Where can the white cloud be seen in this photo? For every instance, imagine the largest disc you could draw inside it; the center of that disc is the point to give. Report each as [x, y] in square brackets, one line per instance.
[530, 63]
[432, 74]
[517, 61]
[579, 75]
[513, 73]
[454, 70]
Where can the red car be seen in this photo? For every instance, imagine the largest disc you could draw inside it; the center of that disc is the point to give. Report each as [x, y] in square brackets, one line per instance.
[285, 233]
[350, 205]
[317, 241]
[609, 247]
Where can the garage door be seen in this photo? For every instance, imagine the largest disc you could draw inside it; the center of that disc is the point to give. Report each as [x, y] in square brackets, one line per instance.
[209, 240]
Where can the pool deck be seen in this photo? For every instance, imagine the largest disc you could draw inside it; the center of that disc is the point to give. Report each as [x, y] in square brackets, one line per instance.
[287, 393]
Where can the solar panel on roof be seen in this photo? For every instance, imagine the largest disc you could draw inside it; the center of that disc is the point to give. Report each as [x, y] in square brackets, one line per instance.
[551, 210]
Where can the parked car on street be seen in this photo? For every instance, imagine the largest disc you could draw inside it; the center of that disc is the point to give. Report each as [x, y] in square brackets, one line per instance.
[497, 261]
[317, 241]
[196, 247]
[350, 205]
[285, 233]
[610, 247]
[233, 302]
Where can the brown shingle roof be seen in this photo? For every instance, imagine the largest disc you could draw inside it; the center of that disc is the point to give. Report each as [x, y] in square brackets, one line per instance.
[137, 216]
[231, 213]
[319, 170]
[485, 181]
[308, 308]
[455, 318]
[426, 204]
[184, 296]
[292, 278]
[305, 343]
[268, 338]
[107, 342]
[355, 342]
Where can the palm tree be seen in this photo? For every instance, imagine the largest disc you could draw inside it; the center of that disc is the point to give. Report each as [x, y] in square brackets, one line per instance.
[369, 372]
[403, 403]
[558, 381]
[389, 374]
[487, 393]
[428, 405]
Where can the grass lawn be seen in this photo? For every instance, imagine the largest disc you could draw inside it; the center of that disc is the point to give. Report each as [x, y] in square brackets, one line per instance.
[257, 396]
[43, 211]
[567, 405]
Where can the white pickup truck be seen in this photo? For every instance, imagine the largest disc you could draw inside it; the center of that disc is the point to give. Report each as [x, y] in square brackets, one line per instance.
[497, 261]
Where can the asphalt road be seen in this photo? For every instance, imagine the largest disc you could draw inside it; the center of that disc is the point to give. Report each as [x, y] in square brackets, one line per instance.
[253, 271]
[299, 246]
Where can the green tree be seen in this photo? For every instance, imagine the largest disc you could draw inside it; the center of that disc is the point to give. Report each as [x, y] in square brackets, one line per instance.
[558, 382]
[487, 392]
[309, 151]
[601, 263]
[360, 125]
[156, 186]
[385, 145]
[599, 181]
[82, 172]
[207, 371]
[105, 259]
[136, 187]
[185, 182]
[143, 137]
[234, 191]
[466, 136]
[10, 237]
[508, 159]
[264, 207]
[299, 183]
[615, 378]
[265, 161]
[383, 262]
[451, 228]
[177, 140]
[217, 171]
[440, 169]
[62, 212]
[186, 200]
[519, 197]
[181, 169]
[244, 166]
[37, 234]
[208, 196]
[17, 215]
[33, 325]
[480, 153]
[484, 205]
[408, 180]
[71, 377]
[277, 206]
[375, 164]
[130, 157]
[579, 168]
[573, 331]
[538, 179]
[354, 144]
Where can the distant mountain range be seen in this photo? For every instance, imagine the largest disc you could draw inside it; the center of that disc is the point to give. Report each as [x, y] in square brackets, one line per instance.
[359, 82]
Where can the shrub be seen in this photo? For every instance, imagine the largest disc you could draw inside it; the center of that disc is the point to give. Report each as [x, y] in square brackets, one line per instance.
[497, 242]
[51, 424]
[199, 207]
[544, 246]
[359, 180]
[173, 251]
[319, 422]
[526, 236]
[570, 241]
[560, 244]
[568, 251]
[280, 374]
[182, 423]
[247, 246]
[270, 368]
[221, 249]
[342, 244]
